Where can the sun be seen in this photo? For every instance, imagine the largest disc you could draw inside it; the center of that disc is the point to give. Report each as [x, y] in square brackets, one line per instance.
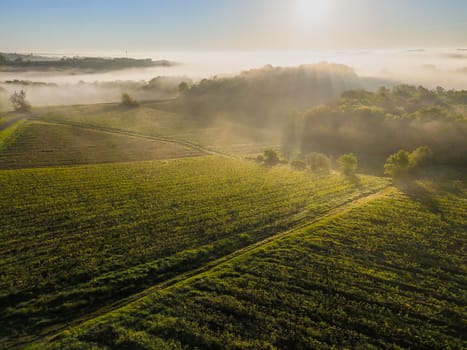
[313, 11]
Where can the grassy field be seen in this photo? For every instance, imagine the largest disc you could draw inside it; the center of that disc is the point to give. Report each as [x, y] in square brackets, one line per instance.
[10, 130]
[158, 119]
[118, 231]
[387, 273]
[77, 239]
[43, 144]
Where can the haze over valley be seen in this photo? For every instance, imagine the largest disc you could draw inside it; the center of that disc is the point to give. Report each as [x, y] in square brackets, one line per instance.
[251, 174]
[427, 67]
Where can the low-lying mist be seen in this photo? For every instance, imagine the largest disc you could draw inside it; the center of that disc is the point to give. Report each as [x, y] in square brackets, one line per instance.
[50, 94]
[430, 68]
[325, 108]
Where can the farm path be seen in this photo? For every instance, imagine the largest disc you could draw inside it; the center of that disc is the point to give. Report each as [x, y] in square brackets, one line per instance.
[305, 223]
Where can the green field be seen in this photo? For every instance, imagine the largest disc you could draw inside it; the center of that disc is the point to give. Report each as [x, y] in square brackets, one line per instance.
[77, 239]
[10, 129]
[158, 119]
[233, 175]
[387, 273]
[145, 229]
[43, 144]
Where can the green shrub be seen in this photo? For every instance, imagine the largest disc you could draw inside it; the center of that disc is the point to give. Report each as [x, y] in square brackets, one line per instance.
[347, 164]
[270, 157]
[318, 162]
[298, 164]
[128, 101]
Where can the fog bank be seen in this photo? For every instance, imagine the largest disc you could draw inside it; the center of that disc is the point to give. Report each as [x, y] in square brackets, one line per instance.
[427, 67]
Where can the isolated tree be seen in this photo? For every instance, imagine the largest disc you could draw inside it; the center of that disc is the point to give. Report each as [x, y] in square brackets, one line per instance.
[347, 164]
[298, 164]
[318, 162]
[403, 163]
[129, 101]
[397, 164]
[420, 158]
[270, 157]
[18, 100]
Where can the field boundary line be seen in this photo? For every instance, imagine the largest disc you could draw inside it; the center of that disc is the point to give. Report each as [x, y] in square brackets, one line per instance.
[185, 143]
[10, 122]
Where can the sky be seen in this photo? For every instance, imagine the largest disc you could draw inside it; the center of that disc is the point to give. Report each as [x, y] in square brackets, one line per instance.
[150, 25]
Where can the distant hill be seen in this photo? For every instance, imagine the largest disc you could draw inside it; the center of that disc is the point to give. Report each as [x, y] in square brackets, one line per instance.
[266, 95]
[19, 62]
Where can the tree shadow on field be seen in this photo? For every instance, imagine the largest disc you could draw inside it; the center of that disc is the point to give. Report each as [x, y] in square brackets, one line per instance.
[419, 193]
[354, 180]
[452, 180]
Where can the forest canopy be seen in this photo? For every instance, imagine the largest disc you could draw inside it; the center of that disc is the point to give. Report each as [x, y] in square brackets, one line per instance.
[265, 96]
[374, 125]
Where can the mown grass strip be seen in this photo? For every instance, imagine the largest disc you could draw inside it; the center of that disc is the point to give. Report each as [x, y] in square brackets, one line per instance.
[9, 134]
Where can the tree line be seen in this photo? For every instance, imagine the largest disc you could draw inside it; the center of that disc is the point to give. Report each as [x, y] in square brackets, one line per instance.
[376, 125]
